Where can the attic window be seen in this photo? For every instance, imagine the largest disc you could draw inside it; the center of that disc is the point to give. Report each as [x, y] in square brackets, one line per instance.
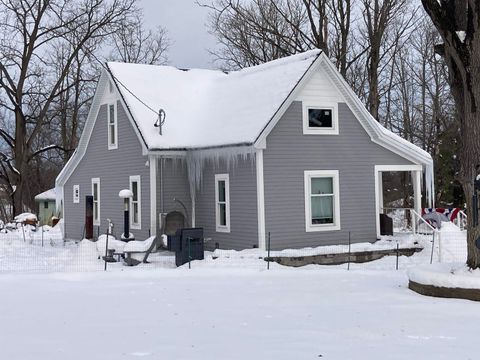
[320, 119]
[112, 127]
[110, 87]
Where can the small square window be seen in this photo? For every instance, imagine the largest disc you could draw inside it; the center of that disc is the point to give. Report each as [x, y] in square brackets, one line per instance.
[320, 118]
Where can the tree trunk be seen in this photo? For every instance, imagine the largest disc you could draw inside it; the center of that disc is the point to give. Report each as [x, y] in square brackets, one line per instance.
[20, 160]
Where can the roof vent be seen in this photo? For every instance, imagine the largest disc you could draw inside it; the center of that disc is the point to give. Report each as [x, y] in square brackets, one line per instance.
[160, 120]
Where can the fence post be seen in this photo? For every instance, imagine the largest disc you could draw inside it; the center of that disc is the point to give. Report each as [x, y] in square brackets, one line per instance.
[414, 224]
[439, 247]
[268, 252]
[189, 257]
[396, 266]
[106, 246]
[433, 246]
[42, 235]
[349, 249]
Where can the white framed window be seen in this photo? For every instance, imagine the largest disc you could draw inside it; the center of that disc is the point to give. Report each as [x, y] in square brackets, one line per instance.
[135, 203]
[322, 200]
[222, 202]
[110, 87]
[76, 194]
[96, 200]
[320, 118]
[112, 126]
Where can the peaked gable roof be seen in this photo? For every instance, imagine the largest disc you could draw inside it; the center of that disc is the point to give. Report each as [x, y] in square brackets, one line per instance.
[207, 108]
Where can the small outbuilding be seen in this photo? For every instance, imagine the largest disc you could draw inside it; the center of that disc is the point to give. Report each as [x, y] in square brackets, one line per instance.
[46, 206]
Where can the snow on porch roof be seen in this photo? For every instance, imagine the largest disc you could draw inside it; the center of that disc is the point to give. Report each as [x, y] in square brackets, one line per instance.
[208, 108]
[46, 195]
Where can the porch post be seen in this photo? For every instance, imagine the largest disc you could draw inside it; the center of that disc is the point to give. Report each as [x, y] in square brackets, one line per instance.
[152, 160]
[417, 191]
[260, 199]
[378, 190]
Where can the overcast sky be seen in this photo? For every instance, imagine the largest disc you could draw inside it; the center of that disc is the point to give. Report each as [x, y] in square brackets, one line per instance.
[186, 25]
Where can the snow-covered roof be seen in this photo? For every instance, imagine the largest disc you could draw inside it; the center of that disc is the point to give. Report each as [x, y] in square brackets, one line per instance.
[46, 195]
[207, 108]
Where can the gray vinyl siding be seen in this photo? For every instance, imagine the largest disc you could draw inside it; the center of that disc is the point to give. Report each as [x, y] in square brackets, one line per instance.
[113, 167]
[243, 205]
[175, 186]
[289, 153]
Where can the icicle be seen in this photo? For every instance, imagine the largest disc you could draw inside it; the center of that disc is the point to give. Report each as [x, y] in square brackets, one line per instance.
[430, 185]
[197, 159]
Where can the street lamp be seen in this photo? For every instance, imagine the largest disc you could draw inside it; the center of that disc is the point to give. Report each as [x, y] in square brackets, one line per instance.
[126, 195]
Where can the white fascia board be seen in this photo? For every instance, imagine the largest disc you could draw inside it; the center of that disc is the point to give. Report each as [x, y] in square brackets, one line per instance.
[168, 154]
[86, 133]
[372, 127]
[260, 142]
[97, 101]
[120, 97]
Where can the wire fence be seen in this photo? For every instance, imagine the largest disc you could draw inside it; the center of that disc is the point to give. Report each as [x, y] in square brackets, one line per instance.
[30, 249]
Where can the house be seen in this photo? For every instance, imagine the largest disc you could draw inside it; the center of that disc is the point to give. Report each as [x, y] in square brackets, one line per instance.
[284, 148]
[46, 205]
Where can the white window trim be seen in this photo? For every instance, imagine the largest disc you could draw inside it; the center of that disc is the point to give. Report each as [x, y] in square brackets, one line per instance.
[115, 123]
[307, 130]
[96, 181]
[308, 175]
[226, 178]
[137, 226]
[76, 189]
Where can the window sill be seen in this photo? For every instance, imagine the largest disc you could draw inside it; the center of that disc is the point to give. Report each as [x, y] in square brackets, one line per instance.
[112, 147]
[316, 228]
[222, 229]
[310, 131]
[136, 227]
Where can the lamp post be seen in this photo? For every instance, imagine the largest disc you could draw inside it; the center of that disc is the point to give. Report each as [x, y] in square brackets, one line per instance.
[126, 195]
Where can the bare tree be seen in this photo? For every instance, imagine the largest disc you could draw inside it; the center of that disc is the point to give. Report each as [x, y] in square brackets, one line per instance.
[30, 81]
[134, 44]
[458, 25]
[263, 30]
[386, 22]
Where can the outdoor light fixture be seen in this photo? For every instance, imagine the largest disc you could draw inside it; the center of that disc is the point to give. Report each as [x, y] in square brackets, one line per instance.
[126, 195]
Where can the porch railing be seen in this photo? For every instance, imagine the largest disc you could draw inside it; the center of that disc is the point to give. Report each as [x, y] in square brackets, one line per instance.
[409, 220]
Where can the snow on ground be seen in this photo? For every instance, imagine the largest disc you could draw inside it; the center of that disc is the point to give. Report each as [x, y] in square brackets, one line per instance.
[283, 313]
[453, 275]
[230, 307]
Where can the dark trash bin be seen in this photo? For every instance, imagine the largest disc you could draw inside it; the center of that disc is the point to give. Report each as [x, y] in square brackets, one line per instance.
[174, 243]
[386, 225]
[191, 245]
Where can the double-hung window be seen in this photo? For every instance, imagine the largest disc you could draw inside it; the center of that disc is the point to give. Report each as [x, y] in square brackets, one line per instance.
[135, 202]
[112, 127]
[222, 202]
[96, 200]
[322, 200]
